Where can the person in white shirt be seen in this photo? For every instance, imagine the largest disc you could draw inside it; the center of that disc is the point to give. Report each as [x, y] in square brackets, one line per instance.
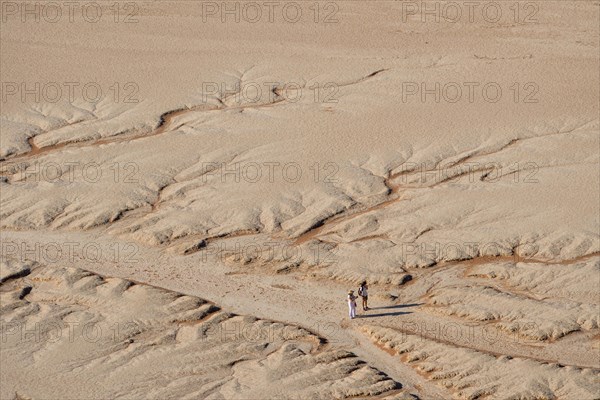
[352, 304]
[363, 291]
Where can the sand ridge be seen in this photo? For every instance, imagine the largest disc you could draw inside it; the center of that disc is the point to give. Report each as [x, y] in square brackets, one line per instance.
[246, 175]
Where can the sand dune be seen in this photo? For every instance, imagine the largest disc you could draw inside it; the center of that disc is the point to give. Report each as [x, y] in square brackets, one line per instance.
[176, 177]
[74, 326]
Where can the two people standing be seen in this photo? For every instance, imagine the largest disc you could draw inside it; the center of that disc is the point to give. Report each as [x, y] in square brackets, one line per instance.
[363, 292]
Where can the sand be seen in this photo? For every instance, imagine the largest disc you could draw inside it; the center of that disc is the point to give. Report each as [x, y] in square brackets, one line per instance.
[186, 200]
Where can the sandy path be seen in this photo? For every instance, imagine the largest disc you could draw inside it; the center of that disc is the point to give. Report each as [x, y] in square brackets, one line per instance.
[313, 304]
[290, 300]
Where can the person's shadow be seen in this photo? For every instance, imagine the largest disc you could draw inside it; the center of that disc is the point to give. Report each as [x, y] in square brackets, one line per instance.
[390, 314]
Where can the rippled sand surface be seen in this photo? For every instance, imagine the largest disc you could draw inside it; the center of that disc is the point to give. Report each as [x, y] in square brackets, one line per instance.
[190, 189]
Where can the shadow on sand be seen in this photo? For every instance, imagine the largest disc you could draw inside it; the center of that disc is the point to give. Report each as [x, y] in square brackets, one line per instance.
[390, 314]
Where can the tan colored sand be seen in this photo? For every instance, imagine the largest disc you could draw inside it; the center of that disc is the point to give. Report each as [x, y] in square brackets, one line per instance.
[475, 217]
